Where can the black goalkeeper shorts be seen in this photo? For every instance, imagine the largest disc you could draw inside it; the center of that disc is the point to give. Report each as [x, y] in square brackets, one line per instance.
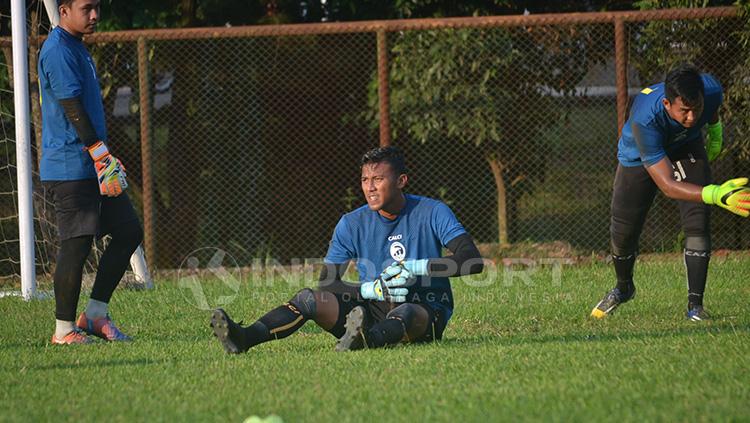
[348, 297]
[634, 192]
[81, 210]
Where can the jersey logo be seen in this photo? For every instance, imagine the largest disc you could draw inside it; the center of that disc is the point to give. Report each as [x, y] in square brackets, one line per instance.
[398, 251]
[395, 237]
[679, 172]
[647, 90]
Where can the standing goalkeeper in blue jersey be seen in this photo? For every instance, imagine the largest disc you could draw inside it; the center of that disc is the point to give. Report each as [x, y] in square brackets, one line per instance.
[662, 148]
[396, 241]
[87, 183]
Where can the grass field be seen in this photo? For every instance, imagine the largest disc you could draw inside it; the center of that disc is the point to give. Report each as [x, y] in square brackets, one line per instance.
[516, 349]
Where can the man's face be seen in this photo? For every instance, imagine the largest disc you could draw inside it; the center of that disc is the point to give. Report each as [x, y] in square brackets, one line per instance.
[80, 17]
[685, 115]
[382, 186]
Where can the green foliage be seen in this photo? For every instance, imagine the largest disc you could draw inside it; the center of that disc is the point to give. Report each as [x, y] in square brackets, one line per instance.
[737, 100]
[717, 46]
[450, 83]
[467, 86]
[139, 14]
[657, 46]
[350, 199]
[6, 90]
[463, 83]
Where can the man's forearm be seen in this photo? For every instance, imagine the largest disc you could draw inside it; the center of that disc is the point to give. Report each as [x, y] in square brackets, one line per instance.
[78, 117]
[465, 259]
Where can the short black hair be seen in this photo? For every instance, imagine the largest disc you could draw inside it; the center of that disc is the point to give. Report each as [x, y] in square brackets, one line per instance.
[64, 2]
[684, 81]
[390, 155]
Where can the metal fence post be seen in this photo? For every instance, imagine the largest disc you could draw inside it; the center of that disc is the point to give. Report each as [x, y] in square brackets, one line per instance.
[145, 123]
[383, 95]
[621, 65]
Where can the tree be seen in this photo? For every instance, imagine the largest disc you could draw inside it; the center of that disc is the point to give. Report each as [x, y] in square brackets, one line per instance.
[466, 84]
[717, 46]
[737, 102]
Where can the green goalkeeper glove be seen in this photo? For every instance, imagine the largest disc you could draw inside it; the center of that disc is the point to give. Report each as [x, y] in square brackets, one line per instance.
[714, 140]
[389, 286]
[731, 195]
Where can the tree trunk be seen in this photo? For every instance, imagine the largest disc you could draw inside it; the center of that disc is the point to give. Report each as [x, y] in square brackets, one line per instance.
[502, 212]
[187, 13]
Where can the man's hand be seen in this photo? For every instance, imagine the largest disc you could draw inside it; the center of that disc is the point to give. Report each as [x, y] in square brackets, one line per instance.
[109, 170]
[731, 195]
[389, 286]
[714, 140]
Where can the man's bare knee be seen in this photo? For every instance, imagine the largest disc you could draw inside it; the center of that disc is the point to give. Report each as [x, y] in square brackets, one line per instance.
[327, 309]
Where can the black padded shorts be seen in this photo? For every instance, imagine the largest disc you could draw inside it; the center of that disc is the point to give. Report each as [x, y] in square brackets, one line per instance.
[81, 210]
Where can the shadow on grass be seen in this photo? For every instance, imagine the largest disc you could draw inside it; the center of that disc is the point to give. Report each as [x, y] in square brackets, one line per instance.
[523, 338]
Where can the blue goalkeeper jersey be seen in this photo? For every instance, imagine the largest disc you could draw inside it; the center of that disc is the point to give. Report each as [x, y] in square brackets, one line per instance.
[650, 133]
[66, 70]
[420, 231]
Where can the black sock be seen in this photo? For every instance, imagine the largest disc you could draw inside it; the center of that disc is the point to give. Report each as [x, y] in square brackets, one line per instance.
[68, 273]
[624, 272]
[276, 324]
[388, 332]
[255, 334]
[115, 260]
[696, 263]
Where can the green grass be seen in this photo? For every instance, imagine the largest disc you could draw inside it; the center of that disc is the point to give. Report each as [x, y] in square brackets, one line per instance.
[516, 349]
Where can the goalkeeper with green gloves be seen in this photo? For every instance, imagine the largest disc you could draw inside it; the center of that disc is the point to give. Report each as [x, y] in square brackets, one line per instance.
[396, 240]
[662, 148]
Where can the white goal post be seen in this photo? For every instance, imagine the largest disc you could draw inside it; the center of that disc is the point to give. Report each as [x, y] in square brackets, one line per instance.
[24, 164]
[23, 147]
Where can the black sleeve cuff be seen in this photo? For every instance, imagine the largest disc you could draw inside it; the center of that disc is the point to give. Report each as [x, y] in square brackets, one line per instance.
[78, 117]
[465, 260]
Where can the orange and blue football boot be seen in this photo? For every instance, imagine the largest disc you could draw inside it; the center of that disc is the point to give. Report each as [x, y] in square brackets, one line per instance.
[102, 327]
[72, 338]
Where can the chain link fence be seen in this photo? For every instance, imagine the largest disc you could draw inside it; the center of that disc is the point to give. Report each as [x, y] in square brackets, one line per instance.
[249, 139]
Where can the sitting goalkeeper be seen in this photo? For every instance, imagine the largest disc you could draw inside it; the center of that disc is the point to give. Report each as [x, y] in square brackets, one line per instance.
[403, 294]
[662, 148]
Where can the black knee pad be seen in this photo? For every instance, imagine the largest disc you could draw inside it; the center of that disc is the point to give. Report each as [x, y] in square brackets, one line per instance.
[405, 313]
[698, 243]
[304, 302]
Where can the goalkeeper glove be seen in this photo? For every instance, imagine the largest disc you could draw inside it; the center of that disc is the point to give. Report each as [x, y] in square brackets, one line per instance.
[714, 140]
[731, 195]
[109, 170]
[409, 268]
[389, 286]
